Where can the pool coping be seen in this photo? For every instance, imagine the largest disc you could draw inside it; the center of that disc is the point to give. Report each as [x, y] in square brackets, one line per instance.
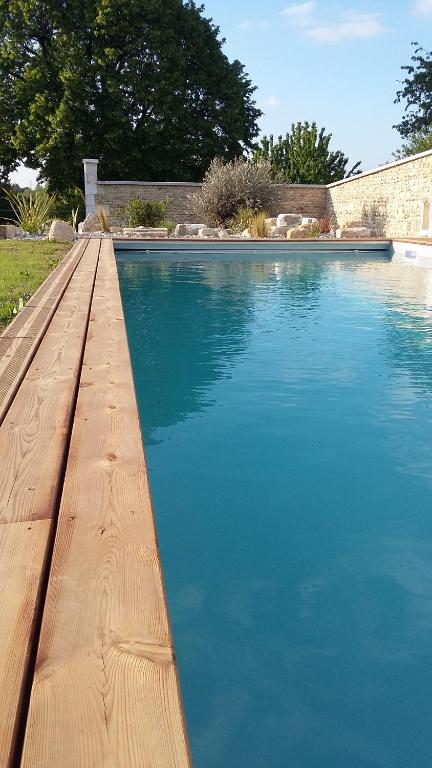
[101, 524]
[100, 390]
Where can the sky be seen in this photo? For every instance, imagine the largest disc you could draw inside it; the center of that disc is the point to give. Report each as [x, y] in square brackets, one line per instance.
[337, 63]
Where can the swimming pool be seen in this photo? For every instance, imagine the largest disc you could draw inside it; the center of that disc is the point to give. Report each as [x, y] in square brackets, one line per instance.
[286, 409]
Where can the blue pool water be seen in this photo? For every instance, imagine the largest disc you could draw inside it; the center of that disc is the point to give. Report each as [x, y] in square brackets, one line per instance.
[287, 411]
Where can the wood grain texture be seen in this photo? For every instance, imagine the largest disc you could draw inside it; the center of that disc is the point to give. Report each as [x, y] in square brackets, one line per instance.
[33, 444]
[22, 554]
[20, 340]
[105, 690]
[33, 433]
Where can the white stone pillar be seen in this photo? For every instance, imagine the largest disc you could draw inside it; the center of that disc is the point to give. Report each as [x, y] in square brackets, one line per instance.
[90, 184]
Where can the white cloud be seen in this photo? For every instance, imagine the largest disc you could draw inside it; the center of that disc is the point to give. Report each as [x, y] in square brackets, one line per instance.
[423, 6]
[300, 13]
[271, 103]
[253, 24]
[349, 26]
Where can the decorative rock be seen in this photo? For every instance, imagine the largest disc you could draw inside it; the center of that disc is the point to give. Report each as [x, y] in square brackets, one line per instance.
[246, 233]
[147, 233]
[271, 222]
[352, 225]
[208, 232]
[224, 234]
[188, 230]
[61, 231]
[308, 220]
[8, 231]
[354, 233]
[90, 224]
[299, 233]
[279, 231]
[288, 220]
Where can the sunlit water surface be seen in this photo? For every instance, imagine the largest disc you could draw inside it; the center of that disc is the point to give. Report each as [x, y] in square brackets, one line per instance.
[287, 411]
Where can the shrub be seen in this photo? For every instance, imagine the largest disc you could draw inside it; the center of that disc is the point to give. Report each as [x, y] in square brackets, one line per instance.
[258, 226]
[104, 220]
[241, 220]
[228, 187]
[325, 226]
[145, 213]
[70, 206]
[315, 229]
[31, 211]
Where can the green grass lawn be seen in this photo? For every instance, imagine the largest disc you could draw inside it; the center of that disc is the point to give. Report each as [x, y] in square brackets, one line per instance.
[24, 265]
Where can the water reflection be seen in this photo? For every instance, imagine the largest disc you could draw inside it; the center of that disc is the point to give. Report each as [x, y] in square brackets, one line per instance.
[190, 322]
[289, 409]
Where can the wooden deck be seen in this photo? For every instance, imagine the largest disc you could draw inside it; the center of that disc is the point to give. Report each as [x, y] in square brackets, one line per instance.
[87, 667]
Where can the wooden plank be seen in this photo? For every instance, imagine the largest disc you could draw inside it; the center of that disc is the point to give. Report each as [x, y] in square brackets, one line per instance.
[105, 690]
[33, 445]
[32, 435]
[20, 340]
[23, 547]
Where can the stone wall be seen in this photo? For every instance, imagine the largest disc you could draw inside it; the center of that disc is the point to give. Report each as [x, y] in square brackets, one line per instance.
[115, 194]
[310, 200]
[388, 199]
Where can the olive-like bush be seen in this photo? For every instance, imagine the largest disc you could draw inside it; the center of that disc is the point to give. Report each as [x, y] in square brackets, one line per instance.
[228, 187]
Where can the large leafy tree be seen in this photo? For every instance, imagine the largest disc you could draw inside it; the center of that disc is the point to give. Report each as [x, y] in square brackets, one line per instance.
[303, 156]
[143, 85]
[416, 91]
[416, 143]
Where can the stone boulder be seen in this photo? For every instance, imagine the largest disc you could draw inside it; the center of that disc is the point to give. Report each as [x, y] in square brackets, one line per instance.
[223, 234]
[279, 231]
[354, 233]
[299, 233]
[8, 231]
[288, 220]
[308, 220]
[246, 233]
[272, 222]
[188, 230]
[91, 223]
[146, 233]
[61, 232]
[208, 232]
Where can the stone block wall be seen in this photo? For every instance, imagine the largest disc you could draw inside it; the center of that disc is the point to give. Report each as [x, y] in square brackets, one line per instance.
[388, 199]
[310, 200]
[115, 194]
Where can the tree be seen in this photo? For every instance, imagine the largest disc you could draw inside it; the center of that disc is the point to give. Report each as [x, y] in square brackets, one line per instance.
[304, 157]
[143, 85]
[418, 142]
[417, 92]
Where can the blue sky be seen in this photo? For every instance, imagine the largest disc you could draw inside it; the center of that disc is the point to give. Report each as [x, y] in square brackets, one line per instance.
[334, 62]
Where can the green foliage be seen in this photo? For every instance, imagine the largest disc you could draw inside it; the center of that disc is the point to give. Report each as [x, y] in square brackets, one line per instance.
[416, 91]
[70, 206]
[258, 226]
[228, 187]
[303, 156]
[315, 229]
[23, 267]
[418, 142]
[31, 211]
[145, 213]
[240, 221]
[143, 85]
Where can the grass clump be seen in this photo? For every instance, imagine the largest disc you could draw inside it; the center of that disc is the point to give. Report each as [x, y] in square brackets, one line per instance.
[32, 211]
[24, 266]
[258, 226]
